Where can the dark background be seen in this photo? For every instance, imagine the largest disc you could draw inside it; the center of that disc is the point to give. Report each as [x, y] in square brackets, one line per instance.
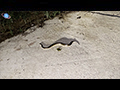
[59, 5]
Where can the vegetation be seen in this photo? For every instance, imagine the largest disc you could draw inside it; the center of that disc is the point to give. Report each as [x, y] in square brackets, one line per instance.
[22, 20]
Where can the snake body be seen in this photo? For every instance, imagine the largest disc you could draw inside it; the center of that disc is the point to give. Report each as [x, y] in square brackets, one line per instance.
[63, 41]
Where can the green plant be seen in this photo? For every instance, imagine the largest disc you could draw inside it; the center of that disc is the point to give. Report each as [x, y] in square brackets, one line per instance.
[11, 20]
[56, 12]
[11, 32]
[20, 30]
[4, 28]
[50, 14]
[47, 14]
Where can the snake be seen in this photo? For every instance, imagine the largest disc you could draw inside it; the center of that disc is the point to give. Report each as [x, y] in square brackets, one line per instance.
[62, 41]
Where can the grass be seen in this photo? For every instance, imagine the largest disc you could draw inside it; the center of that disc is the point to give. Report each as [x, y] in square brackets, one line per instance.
[21, 20]
[49, 14]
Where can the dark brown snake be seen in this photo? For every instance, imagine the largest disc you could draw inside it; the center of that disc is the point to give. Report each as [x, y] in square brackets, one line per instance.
[63, 41]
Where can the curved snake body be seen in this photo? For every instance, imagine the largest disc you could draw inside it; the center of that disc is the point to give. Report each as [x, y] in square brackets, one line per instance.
[63, 41]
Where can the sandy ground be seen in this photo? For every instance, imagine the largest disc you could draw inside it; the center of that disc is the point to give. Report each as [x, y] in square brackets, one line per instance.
[97, 56]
